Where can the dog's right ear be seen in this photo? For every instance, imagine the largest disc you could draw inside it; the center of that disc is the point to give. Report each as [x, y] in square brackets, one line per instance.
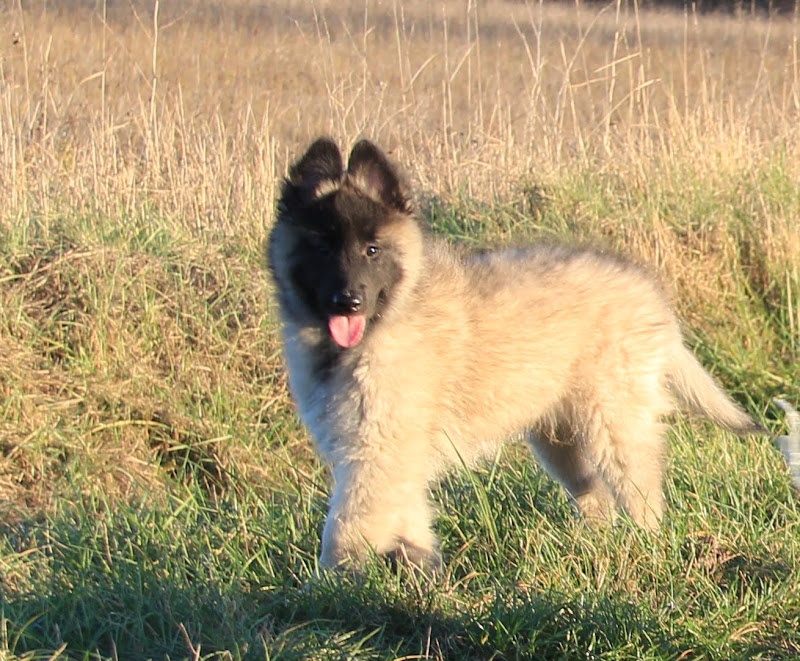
[319, 171]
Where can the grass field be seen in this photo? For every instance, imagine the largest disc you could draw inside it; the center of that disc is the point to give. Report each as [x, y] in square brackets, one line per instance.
[158, 497]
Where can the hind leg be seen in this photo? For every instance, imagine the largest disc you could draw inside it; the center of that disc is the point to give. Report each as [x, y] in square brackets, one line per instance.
[568, 463]
[627, 447]
[631, 462]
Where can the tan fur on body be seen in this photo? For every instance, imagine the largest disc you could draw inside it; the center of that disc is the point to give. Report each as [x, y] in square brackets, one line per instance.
[574, 349]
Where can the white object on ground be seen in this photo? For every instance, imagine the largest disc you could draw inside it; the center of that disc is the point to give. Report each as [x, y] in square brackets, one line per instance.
[790, 445]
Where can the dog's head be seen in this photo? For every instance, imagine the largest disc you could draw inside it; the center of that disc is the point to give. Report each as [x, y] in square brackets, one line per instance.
[346, 247]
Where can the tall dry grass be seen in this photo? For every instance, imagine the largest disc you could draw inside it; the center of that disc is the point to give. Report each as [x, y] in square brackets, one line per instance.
[193, 109]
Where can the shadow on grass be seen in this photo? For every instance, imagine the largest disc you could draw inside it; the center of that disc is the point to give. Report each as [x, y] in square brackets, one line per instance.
[502, 624]
[196, 582]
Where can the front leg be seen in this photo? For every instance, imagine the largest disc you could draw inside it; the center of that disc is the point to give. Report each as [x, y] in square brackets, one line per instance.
[385, 512]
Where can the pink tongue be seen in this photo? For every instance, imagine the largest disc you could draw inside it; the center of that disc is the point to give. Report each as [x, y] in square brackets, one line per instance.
[347, 331]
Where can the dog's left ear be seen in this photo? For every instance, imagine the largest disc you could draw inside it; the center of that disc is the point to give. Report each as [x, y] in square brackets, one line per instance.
[372, 172]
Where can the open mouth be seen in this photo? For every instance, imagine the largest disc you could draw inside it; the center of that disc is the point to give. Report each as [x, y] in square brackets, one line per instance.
[347, 330]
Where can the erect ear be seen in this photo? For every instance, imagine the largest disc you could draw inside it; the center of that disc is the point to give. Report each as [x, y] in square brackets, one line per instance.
[373, 173]
[317, 172]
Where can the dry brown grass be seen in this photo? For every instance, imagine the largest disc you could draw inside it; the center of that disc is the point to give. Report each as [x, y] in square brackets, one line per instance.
[196, 109]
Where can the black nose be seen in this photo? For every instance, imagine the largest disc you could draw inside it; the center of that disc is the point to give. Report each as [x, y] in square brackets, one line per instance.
[345, 302]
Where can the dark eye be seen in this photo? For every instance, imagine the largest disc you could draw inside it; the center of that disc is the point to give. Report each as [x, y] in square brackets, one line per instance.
[372, 251]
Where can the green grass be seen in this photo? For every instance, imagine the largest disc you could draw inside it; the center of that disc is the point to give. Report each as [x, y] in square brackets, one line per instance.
[107, 580]
[158, 496]
[161, 501]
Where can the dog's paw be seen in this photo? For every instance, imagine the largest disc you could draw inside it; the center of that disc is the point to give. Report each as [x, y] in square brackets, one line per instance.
[427, 562]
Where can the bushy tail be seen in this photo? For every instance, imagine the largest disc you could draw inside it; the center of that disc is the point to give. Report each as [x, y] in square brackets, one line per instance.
[695, 389]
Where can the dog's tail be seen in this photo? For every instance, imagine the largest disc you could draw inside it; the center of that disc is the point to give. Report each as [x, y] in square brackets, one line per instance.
[696, 390]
